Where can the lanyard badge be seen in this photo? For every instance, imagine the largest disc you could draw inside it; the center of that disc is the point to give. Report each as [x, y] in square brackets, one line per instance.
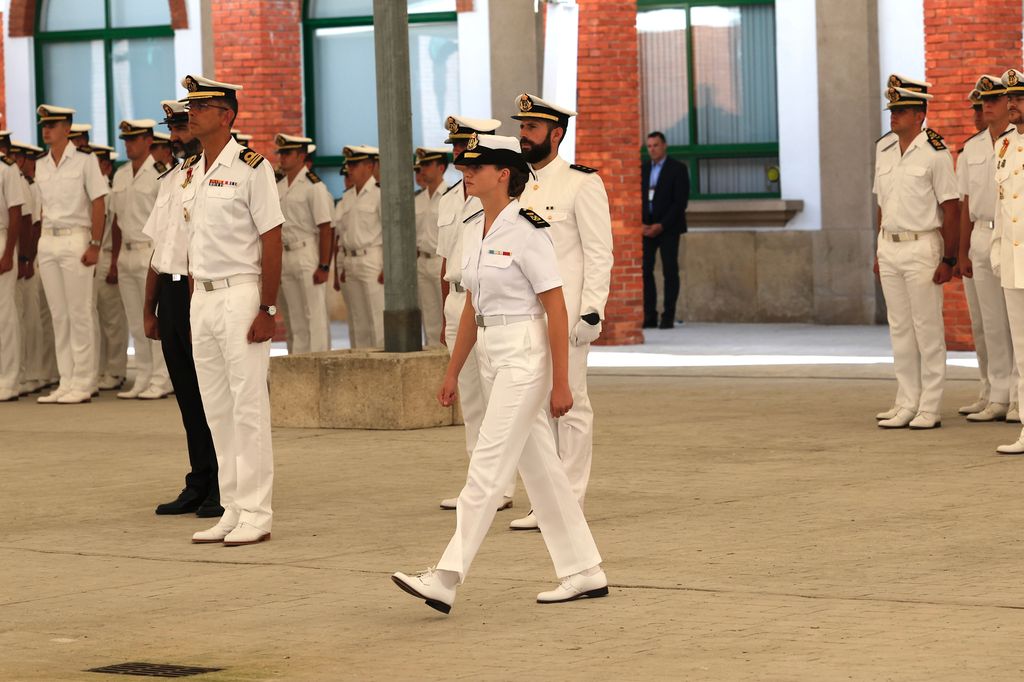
[188, 178]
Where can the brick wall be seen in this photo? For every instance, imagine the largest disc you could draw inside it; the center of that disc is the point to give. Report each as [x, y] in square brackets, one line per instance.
[259, 45]
[964, 39]
[608, 127]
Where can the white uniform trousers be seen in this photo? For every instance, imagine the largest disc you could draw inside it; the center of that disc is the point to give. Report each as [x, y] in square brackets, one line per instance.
[471, 390]
[68, 285]
[111, 337]
[364, 296]
[428, 287]
[574, 432]
[989, 323]
[516, 375]
[10, 327]
[132, 269]
[232, 377]
[1015, 313]
[916, 328]
[304, 301]
[46, 353]
[28, 292]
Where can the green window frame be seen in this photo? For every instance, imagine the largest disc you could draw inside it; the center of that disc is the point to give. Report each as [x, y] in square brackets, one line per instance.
[309, 28]
[108, 35]
[693, 153]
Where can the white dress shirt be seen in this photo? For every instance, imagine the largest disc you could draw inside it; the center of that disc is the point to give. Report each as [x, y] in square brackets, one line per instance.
[1008, 237]
[362, 225]
[12, 190]
[505, 270]
[427, 206]
[453, 207]
[975, 174]
[69, 188]
[167, 228]
[911, 187]
[306, 205]
[132, 196]
[227, 208]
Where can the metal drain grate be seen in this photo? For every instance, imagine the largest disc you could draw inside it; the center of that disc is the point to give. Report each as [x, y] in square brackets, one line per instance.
[152, 670]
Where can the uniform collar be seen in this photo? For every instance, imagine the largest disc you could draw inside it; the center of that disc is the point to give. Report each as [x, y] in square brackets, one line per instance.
[508, 215]
[227, 155]
[557, 162]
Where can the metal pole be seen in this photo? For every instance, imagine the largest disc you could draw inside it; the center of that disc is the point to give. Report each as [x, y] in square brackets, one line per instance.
[402, 324]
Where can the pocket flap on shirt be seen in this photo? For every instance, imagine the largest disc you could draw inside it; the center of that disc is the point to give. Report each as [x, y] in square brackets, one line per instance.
[221, 192]
[916, 171]
[445, 219]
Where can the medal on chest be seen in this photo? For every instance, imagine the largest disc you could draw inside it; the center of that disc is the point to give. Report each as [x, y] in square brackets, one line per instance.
[1002, 150]
[188, 178]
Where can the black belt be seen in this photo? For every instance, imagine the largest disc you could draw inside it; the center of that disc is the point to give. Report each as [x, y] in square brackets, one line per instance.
[172, 278]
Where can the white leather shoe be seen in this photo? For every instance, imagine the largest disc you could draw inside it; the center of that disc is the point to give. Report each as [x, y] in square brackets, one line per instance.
[578, 586]
[53, 396]
[1013, 448]
[153, 393]
[436, 588]
[977, 406]
[925, 420]
[109, 383]
[131, 394]
[888, 414]
[1013, 414]
[993, 412]
[75, 397]
[528, 522]
[215, 534]
[450, 503]
[245, 534]
[901, 420]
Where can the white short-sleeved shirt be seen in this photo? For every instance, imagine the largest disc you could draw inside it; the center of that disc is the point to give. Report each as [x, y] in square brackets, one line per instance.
[12, 190]
[132, 196]
[305, 204]
[69, 188]
[911, 187]
[427, 205]
[341, 210]
[505, 270]
[975, 174]
[30, 207]
[453, 208]
[362, 224]
[167, 228]
[226, 209]
[37, 200]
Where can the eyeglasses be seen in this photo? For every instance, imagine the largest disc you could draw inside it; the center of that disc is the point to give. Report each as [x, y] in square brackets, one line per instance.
[202, 106]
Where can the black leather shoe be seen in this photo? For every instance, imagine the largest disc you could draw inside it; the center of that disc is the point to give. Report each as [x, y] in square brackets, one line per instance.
[210, 509]
[666, 323]
[188, 501]
[650, 323]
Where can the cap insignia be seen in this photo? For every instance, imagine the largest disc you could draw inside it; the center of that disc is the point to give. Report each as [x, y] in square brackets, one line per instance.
[472, 142]
[894, 82]
[892, 95]
[525, 103]
[452, 125]
[985, 83]
[191, 84]
[1011, 77]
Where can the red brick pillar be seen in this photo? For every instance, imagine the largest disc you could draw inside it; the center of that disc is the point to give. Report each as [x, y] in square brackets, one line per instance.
[259, 46]
[607, 134]
[964, 39]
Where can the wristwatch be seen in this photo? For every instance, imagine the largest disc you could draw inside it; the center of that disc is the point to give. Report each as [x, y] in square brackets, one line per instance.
[269, 309]
[325, 267]
[95, 242]
[949, 261]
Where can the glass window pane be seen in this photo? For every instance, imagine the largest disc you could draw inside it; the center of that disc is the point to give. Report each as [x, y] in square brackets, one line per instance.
[73, 76]
[143, 74]
[734, 70]
[664, 104]
[335, 183]
[739, 176]
[327, 9]
[70, 15]
[348, 115]
[139, 13]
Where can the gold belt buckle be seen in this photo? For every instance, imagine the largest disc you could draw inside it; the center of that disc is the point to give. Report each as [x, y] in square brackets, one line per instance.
[208, 286]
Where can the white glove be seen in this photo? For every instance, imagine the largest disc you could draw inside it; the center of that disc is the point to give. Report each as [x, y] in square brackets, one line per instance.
[584, 333]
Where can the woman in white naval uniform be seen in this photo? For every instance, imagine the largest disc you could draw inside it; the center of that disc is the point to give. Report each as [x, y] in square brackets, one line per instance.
[511, 276]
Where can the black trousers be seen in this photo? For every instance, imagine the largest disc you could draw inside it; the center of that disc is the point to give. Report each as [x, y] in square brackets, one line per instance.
[176, 341]
[667, 243]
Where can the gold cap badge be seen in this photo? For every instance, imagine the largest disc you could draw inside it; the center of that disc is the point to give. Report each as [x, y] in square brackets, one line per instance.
[473, 142]
[452, 125]
[894, 82]
[191, 84]
[1011, 77]
[525, 103]
[892, 95]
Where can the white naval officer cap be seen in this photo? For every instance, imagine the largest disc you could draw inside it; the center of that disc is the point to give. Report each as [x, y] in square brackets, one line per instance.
[463, 127]
[912, 84]
[1013, 81]
[136, 126]
[901, 98]
[989, 86]
[51, 112]
[498, 150]
[79, 129]
[240, 137]
[431, 154]
[360, 152]
[200, 87]
[174, 111]
[310, 148]
[103, 151]
[531, 106]
[29, 150]
[161, 138]
[286, 142]
[974, 97]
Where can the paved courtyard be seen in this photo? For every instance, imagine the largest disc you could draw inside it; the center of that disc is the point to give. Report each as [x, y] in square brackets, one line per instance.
[754, 521]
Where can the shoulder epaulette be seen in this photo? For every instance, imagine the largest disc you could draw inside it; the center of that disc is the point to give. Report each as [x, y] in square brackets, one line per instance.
[190, 161]
[313, 177]
[451, 188]
[534, 218]
[583, 169]
[977, 134]
[85, 149]
[6, 159]
[1007, 132]
[377, 184]
[890, 145]
[474, 216]
[160, 167]
[884, 135]
[279, 174]
[935, 140]
[251, 158]
[418, 192]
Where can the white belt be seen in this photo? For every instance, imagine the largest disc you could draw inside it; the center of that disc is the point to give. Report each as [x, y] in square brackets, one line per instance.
[294, 246]
[500, 320]
[135, 246]
[905, 236]
[988, 224]
[60, 231]
[354, 252]
[213, 284]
